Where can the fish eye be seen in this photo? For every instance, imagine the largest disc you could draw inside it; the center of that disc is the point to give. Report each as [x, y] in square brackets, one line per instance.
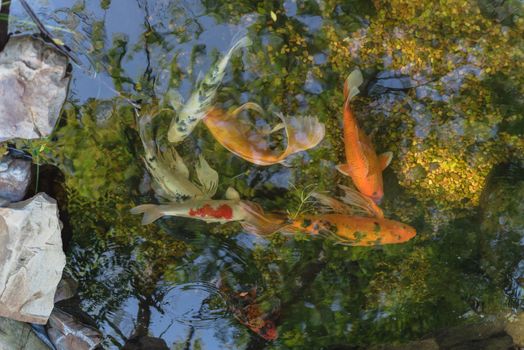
[375, 193]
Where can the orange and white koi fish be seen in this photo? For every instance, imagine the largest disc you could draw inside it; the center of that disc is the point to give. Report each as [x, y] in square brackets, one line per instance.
[362, 163]
[343, 224]
[212, 211]
[242, 139]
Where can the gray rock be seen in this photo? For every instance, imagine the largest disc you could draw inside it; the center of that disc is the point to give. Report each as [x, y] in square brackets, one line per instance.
[15, 176]
[31, 259]
[33, 88]
[66, 289]
[16, 335]
[67, 333]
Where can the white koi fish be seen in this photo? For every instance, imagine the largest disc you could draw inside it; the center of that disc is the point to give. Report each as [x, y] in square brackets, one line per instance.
[170, 173]
[200, 100]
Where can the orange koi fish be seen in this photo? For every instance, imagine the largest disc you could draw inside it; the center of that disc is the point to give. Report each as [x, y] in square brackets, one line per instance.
[240, 138]
[343, 224]
[362, 163]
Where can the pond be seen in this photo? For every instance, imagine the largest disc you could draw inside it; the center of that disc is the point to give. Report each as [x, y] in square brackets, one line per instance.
[443, 91]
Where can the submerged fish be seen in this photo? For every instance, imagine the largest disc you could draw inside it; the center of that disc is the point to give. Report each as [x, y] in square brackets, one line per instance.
[248, 311]
[242, 139]
[219, 211]
[200, 100]
[343, 222]
[362, 163]
[170, 173]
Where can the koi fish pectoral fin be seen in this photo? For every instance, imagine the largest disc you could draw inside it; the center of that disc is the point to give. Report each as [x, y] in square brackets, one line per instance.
[343, 169]
[207, 176]
[385, 159]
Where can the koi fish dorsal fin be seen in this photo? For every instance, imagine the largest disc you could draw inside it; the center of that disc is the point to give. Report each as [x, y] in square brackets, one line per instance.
[302, 134]
[232, 194]
[332, 204]
[356, 199]
[207, 177]
[352, 83]
[384, 159]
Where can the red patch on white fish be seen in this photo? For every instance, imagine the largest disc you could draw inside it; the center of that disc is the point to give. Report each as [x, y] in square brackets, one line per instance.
[224, 211]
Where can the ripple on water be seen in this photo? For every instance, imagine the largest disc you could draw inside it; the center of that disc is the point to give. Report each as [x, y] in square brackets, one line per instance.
[196, 304]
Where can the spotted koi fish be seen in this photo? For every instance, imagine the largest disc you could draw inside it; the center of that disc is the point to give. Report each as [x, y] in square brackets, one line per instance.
[355, 221]
[212, 211]
[200, 100]
[362, 163]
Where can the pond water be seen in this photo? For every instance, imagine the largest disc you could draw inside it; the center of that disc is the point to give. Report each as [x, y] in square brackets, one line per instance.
[443, 87]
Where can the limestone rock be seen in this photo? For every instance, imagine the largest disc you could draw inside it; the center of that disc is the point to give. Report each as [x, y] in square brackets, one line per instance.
[16, 335]
[31, 259]
[33, 87]
[15, 176]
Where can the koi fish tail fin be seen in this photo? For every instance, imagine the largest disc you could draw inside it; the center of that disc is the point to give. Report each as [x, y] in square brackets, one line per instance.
[258, 222]
[352, 83]
[243, 41]
[331, 204]
[152, 212]
[207, 176]
[302, 134]
[356, 199]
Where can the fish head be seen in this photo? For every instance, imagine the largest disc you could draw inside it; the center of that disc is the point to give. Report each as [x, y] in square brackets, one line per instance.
[176, 134]
[268, 331]
[399, 232]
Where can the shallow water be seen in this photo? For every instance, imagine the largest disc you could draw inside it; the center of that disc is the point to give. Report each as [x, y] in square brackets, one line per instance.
[452, 113]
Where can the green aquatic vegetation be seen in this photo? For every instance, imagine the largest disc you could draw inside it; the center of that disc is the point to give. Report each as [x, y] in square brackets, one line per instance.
[97, 156]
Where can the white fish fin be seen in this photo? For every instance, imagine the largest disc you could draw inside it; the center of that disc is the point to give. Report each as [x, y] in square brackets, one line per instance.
[152, 212]
[232, 194]
[358, 200]
[207, 177]
[385, 159]
[174, 99]
[302, 133]
[352, 83]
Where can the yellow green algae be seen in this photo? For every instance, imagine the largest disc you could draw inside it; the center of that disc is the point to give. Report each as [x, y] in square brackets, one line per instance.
[441, 181]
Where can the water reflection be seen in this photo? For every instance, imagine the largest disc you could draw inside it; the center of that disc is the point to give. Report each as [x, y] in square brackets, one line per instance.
[447, 132]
